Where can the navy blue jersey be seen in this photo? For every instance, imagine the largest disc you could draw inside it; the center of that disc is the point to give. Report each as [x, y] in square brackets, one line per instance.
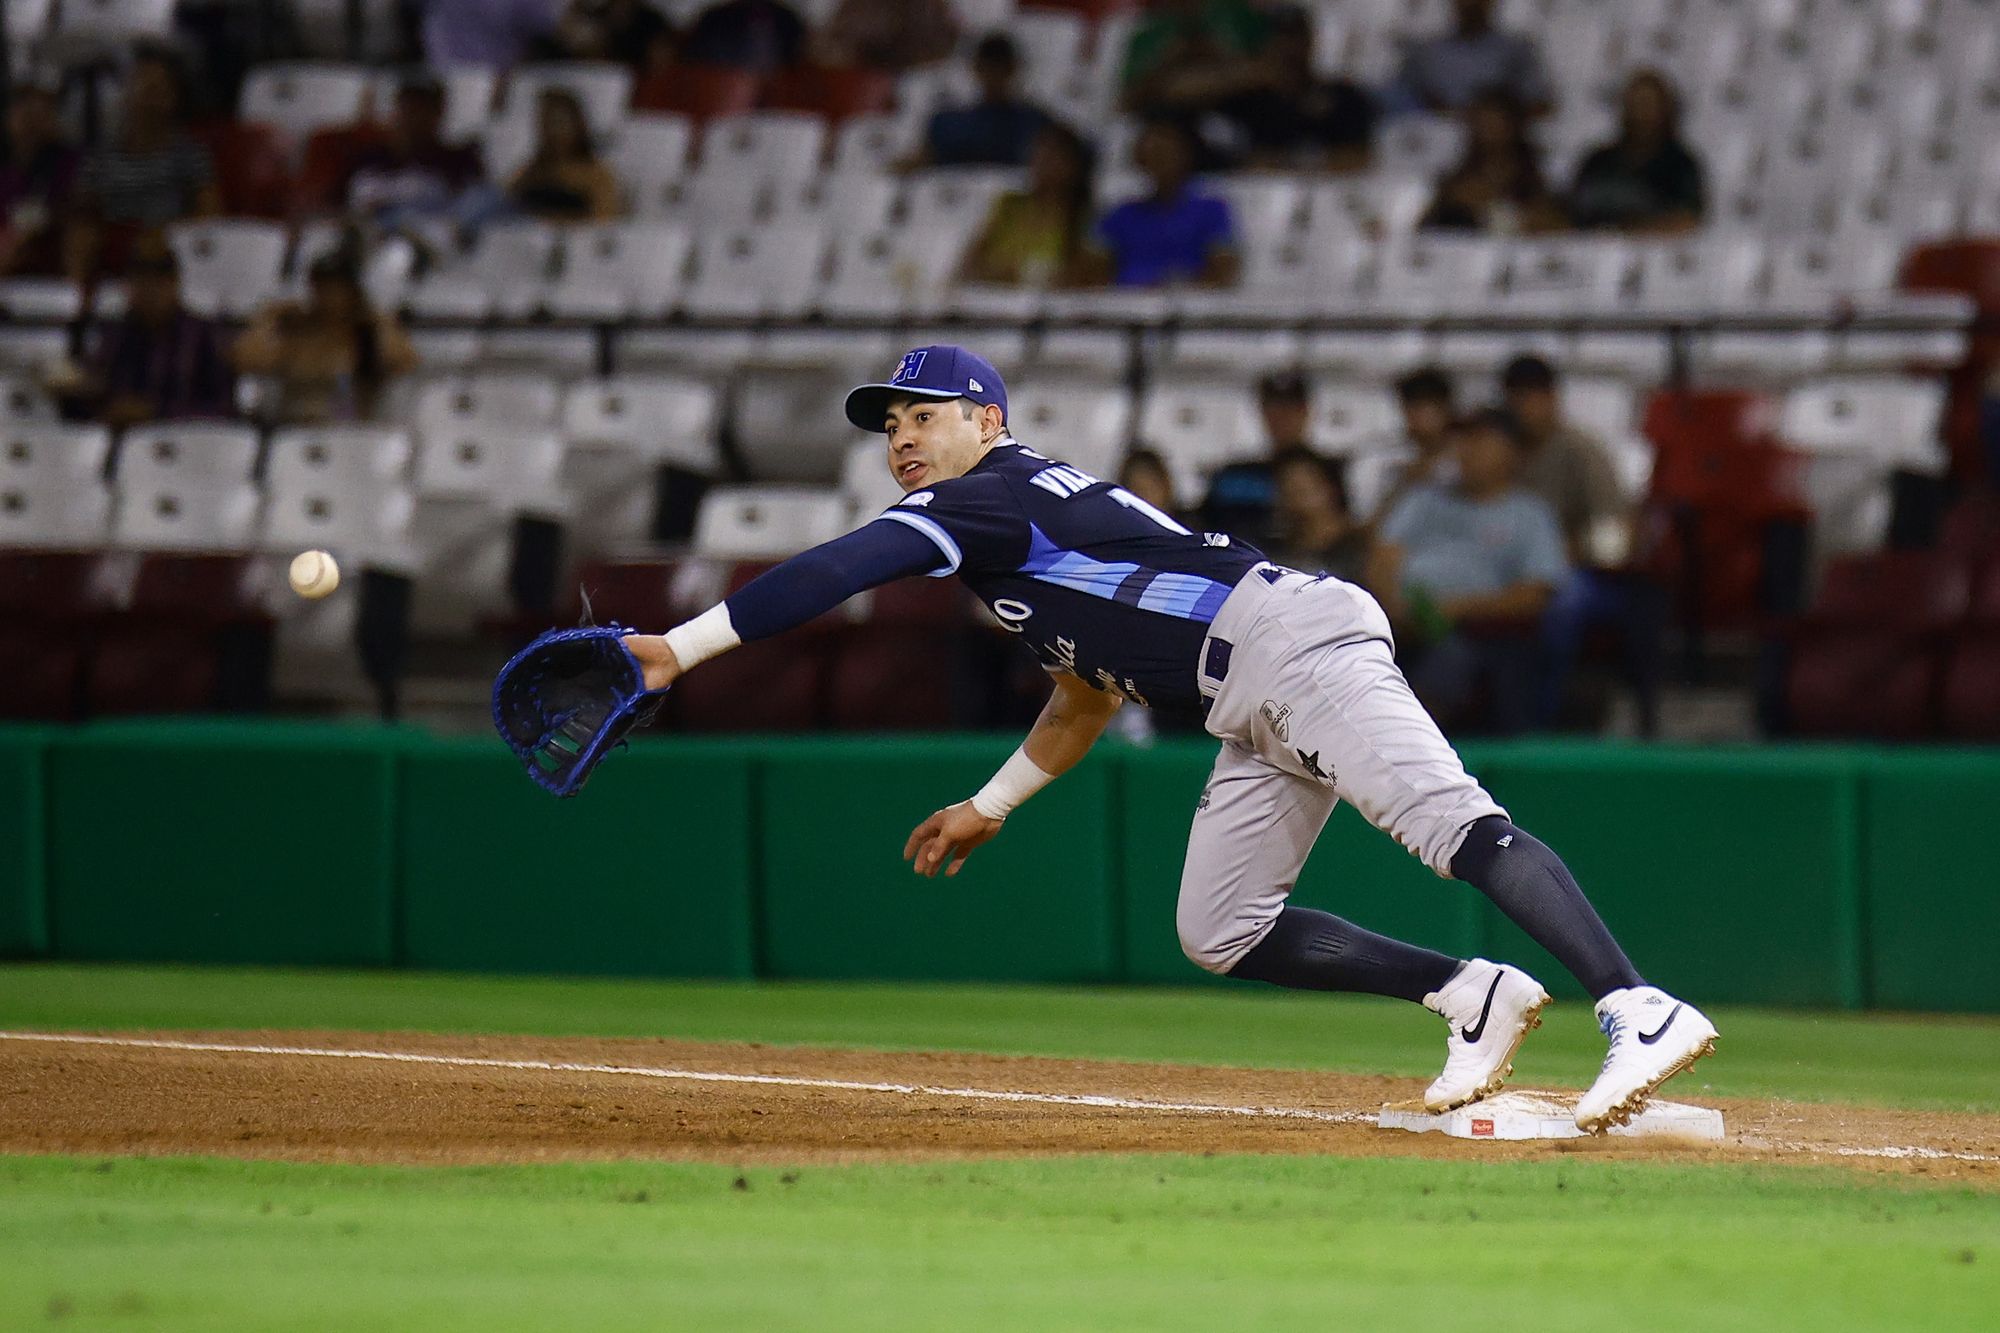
[1098, 582]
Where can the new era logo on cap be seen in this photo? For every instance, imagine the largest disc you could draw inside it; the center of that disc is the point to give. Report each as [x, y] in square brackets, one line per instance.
[941, 371]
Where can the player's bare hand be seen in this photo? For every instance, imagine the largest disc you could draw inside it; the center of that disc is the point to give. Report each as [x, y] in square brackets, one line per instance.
[947, 838]
[657, 660]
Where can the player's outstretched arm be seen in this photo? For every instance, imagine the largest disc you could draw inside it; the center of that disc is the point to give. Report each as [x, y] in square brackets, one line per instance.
[807, 585]
[1071, 722]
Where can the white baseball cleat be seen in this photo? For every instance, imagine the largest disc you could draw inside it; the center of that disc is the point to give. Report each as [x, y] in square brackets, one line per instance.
[1491, 1008]
[1653, 1037]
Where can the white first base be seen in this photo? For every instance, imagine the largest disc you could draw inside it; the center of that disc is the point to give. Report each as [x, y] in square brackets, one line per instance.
[1548, 1115]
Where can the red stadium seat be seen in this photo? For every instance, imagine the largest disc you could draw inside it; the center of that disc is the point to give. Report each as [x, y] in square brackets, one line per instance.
[1972, 526]
[1969, 268]
[771, 685]
[1970, 694]
[632, 592]
[699, 91]
[923, 601]
[53, 585]
[1906, 592]
[252, 171]
[834, 91]
[199, 589]
[43, 669]
[894, 677]
[148, 668]
[329, 161]
[1866, 660]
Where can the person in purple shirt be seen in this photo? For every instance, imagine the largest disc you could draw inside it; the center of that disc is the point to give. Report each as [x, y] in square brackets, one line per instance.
[496, 34]
[159, 362]
[1176, 233]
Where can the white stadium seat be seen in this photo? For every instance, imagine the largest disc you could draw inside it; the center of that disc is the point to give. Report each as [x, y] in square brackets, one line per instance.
[1251, 354]
[506, 274]
[857, 352]
[771, 271]
[788, 423]
[1198, 426]
[514, 470]
[230, 266]
[777, 145]
[341, 488]
[1717, 271]
[886, 273]
[187, 485]
[1084, 422]
[1815, 276]
[1892, 419]
[468, 403]
[955, 201]
[1568, 276]
[52, 490]
[302, 97]
[1368, 355]
[618, 270]
[865, 482]
[843, 200]
[869, 143]
[766, 522]
[41, 298]
[660, 418]
[1348, 417]
[459, 551]
[651, 153]
[114, 19]
[1431, 274]
[187, 450]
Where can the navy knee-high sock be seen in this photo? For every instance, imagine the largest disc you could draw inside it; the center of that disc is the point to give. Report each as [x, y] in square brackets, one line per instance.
[1534, 888]
[1309, 950]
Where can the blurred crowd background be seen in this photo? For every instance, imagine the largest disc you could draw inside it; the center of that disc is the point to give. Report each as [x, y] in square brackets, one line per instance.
[1636, 355]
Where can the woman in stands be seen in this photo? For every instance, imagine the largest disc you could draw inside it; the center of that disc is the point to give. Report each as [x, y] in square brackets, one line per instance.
[1647, 179]
[564, 181]
[1036, 236]
[1497, 186]
[330, 358]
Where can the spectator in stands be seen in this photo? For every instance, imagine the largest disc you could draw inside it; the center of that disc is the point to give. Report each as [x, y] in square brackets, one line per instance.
[1497, 186]
[151, 173]
[1242, 496]
[1465, 572]
[1176, 233]
[1450, 72]
[998, 130]
[1423, 452]
[632, 32]
[37, 179]
[1144, 473]
[564, 181]
[330, 357]
[1036, 236]
[1567, 466]
[1314, 530]
[1185, 56]
[494, 34]
[1287, 115]
[159, 362]
[759, 36]
[1647, 179]
[892, 35]
[415, 174]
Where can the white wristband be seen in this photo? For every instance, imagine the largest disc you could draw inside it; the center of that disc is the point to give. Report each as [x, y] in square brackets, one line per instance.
[708, 635]
[1018, 779]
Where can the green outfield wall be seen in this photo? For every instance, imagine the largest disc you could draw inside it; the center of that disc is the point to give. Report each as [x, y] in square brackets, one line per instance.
[1819, 876]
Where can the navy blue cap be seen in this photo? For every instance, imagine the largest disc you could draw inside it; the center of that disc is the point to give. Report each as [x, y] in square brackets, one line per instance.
[940, 372]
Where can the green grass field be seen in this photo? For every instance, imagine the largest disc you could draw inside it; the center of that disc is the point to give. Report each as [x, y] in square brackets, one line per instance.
[1134, 1242]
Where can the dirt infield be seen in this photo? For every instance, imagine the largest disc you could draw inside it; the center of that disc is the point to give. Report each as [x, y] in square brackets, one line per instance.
[423, 1098]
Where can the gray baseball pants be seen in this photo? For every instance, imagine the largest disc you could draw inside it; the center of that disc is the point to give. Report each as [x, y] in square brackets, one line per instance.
[1310, 708]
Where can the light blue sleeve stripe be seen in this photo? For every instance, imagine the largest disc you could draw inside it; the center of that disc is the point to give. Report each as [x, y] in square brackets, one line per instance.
[939, 537]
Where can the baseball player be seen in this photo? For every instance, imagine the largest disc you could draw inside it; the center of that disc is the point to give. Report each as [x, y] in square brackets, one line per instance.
[1296, 678]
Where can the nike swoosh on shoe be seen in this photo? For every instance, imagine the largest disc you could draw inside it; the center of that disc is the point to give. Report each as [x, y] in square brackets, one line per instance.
[1478, 1030]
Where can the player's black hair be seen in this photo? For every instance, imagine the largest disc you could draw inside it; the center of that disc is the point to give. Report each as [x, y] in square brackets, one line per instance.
[1528, 372]
[1426, 384]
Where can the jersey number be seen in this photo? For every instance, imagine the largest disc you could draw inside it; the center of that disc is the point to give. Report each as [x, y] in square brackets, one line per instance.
[1063, 481]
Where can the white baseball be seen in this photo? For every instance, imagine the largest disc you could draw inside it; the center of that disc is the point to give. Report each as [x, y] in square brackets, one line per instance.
[314, 574]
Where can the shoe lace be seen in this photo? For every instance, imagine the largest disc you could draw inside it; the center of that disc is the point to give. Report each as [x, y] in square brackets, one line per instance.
[1612, 1024]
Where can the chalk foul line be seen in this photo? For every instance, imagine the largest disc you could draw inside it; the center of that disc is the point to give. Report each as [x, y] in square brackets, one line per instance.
[1888, 1151]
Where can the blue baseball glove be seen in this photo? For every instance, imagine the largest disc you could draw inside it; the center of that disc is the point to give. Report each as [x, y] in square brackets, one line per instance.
[567, 699]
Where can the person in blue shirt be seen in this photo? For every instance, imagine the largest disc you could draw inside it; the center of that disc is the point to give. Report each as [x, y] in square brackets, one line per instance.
[1467, 568]
[997, 130]
[1293, 674]
[1177, 233]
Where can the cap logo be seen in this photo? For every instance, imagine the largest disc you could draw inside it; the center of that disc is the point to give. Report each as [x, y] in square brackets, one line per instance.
[976, 386]
[911, 366]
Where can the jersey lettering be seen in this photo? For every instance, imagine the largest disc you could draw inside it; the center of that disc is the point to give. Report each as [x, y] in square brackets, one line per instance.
[1011, 612]
[1062, 480]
